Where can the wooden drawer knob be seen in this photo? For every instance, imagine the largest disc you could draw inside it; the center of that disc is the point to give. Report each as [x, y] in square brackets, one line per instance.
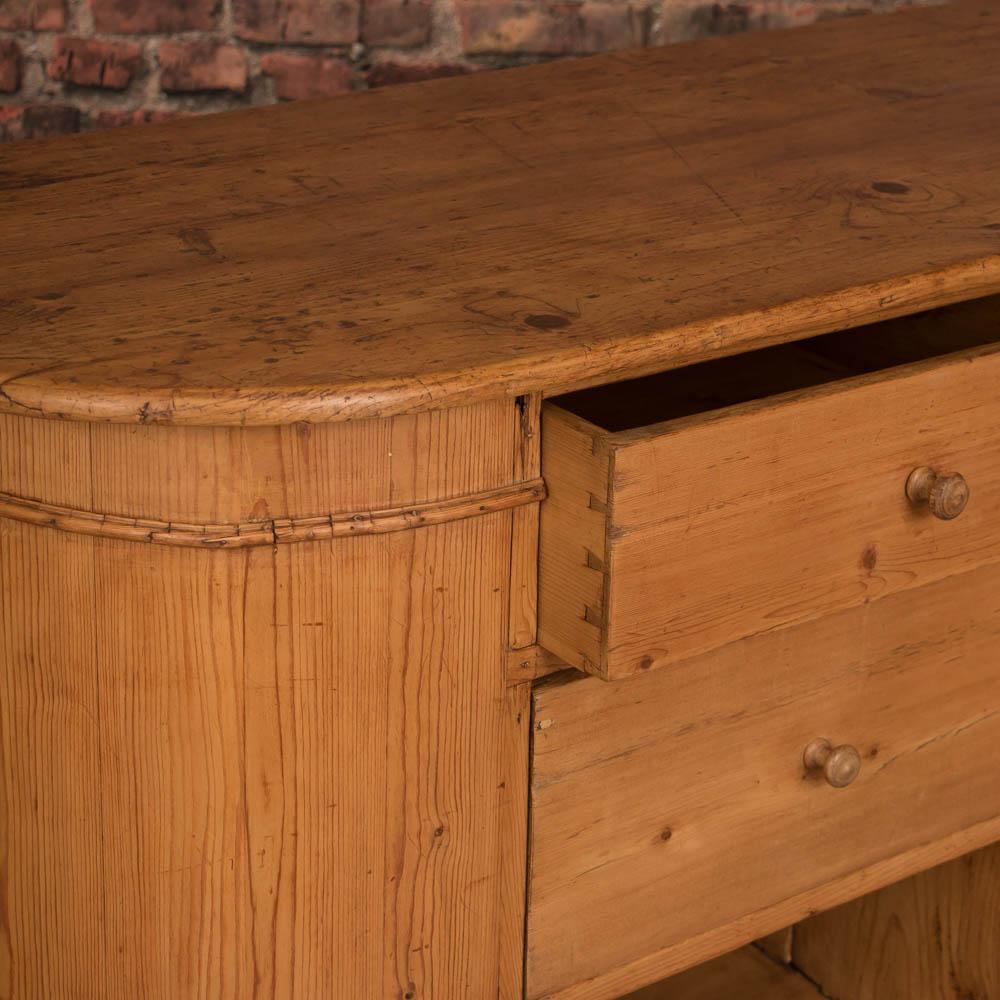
[946, 494]
[839, 765]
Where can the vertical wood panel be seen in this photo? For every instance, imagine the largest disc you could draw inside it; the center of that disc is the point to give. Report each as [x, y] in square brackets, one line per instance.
[524, 544]
[444, 756]
[53, 895]
[47, 459]
[935, 936]
[522, 633]
[513, 798]
[170, 667]
[287, 773]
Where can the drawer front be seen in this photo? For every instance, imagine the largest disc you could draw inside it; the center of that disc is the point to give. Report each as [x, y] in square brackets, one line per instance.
[667, 541]
[673, 817]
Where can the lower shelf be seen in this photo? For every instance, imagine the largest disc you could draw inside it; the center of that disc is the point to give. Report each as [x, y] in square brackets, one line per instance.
[747, 974]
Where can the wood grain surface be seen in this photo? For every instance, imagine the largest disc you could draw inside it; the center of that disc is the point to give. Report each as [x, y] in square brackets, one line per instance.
[666, 541]
[537, 230]
[934, 936]
[282, 772]
[719, 940]
[231, 475]
[672, 818]
[524, 543]
[741, 975]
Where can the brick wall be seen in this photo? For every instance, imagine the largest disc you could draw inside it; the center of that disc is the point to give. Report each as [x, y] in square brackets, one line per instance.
[68, 65]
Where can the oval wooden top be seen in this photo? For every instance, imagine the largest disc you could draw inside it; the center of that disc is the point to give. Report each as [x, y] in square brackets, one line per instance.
[540, 229]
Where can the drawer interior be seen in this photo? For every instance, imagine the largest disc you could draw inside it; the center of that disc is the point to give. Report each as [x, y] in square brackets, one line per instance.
[667, 494]
[724, 382]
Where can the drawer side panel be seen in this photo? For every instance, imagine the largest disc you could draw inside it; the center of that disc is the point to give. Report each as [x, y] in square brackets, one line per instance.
[572, 561]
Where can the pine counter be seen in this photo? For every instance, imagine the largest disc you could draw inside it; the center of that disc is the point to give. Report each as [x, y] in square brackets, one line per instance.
[518, 536]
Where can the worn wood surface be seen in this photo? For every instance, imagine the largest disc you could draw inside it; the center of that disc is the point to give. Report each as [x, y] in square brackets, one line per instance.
[743, 974]
[672, 819]
[720, 939]
[668, 540]
[284, 772]
[522, 630]
[531, 663]
[524, 543]
[512, 799]
[935, 936]
[536, 230]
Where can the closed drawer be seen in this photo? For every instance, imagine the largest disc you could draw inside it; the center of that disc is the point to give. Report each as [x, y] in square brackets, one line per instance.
[673, 817]
[701, 506]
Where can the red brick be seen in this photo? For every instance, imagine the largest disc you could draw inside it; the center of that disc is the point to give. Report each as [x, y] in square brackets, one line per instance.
[402, 23]
[730, 18]
[391, 72]
[138, 16]
[33, 15]
[192, 66]
[30, 121]
[88, 62]
[115, 117]
[10, 66]
[538, 28]
[306, 77]
[307, 22]
[694, 20]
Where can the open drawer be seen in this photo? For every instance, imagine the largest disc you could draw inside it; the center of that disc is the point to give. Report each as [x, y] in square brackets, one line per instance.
[700, 506]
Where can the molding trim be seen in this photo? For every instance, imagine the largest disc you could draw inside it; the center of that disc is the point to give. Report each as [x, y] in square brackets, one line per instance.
[273, 531]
